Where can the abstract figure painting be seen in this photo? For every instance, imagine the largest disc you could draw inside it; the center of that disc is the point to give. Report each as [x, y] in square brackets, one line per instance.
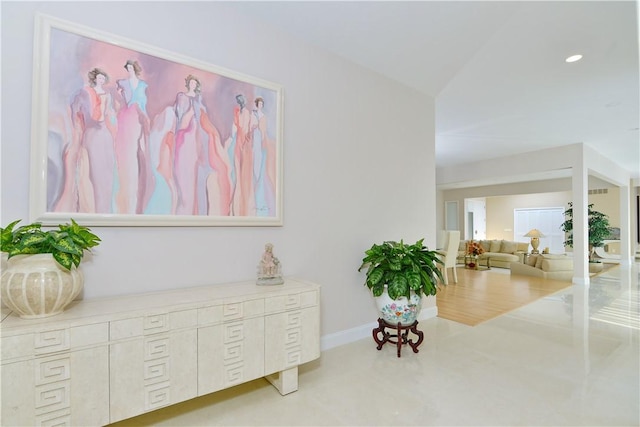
[127, 134]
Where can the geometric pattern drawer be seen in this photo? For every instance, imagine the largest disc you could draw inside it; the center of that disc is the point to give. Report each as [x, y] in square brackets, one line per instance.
[156, 396]
[282, 303]
[242, 309]
[156, 370]
[51, 341]
[291, 302]
[157, 347]
[55, 419]
[50, 370]
[52, 397]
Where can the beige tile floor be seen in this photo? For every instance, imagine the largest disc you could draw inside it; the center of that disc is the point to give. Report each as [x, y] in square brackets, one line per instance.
[570, 359]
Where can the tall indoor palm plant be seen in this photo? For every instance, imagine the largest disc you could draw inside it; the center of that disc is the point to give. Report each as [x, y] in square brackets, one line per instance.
[599, 228]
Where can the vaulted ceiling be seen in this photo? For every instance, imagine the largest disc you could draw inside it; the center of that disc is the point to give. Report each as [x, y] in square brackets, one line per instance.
[497, 70]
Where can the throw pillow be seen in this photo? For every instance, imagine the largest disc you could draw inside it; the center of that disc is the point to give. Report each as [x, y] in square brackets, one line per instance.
[539, 259]
[486, 244]
[508, 247]
[495, 246]
[462, 246]
[531, 260]
[523, 247]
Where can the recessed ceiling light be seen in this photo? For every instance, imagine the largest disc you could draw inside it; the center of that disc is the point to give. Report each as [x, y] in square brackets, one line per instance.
[574, 58]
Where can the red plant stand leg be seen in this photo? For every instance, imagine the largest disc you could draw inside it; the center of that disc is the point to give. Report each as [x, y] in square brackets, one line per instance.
[381, 336]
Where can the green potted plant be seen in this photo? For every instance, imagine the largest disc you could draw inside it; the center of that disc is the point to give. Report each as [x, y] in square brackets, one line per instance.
[598, 224]
[399, 275]
[42, 276]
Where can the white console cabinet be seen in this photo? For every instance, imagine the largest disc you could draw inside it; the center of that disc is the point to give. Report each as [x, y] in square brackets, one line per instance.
[108, 359]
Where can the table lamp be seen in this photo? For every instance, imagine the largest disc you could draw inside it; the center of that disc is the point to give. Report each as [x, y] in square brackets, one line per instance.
[535, 235]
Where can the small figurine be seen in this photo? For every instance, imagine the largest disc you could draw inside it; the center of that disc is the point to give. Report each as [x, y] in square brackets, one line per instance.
[269, 269]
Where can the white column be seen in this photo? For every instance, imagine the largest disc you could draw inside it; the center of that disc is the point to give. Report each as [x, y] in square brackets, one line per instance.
[626, 256]
[580, 188]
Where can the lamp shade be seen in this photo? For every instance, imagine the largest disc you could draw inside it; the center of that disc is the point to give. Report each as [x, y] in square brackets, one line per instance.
[534, 233]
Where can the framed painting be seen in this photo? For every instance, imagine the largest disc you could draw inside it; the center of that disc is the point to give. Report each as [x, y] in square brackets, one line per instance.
[128, 134]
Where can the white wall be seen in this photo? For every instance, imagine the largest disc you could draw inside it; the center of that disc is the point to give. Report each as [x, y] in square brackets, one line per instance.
[358, 158]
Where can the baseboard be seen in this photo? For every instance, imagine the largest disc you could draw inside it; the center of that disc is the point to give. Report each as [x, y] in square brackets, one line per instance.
[347, 336]
[360, 332]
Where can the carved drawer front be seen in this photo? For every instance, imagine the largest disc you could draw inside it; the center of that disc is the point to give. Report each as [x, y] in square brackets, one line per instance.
[155, 348]
[156, 370]
[292, 301]
[233, 344]
[233, 332]
[232, 311]
[51, 341]
[282, 303]
[242, 310]
[52, 397]
[52, 369]
[155, 324]
[152, 324]
[233, 374]
[292, 338]
[54, 419]
[157, 396]
[233, 353]
[56, 340]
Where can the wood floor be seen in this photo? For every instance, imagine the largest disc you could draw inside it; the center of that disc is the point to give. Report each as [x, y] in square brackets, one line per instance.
[485, 294]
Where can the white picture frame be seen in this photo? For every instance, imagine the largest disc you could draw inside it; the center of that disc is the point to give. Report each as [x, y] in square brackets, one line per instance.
[127, 134]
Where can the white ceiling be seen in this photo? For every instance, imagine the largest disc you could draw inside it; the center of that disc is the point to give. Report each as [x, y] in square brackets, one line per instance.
[496, 69]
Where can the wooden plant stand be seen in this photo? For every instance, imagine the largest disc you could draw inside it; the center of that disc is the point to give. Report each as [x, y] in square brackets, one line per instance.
[401, 335]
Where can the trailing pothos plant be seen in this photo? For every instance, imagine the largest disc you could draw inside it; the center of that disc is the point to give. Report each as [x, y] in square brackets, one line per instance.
[67, 244]
[403, 268]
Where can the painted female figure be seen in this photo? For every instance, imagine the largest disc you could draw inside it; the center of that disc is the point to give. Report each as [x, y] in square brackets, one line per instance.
[263, 162]
[243, 199]
[132, 140]
[89, 159]
[200, 163]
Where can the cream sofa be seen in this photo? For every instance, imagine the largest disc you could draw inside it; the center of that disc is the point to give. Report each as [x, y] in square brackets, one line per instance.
[546, 266]
[499, 253]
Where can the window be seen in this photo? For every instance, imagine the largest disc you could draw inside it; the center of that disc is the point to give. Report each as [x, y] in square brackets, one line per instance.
[547, 220]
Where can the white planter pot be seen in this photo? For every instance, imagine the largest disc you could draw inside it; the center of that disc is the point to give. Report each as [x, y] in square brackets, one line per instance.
[401, 310]
[37, 286]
